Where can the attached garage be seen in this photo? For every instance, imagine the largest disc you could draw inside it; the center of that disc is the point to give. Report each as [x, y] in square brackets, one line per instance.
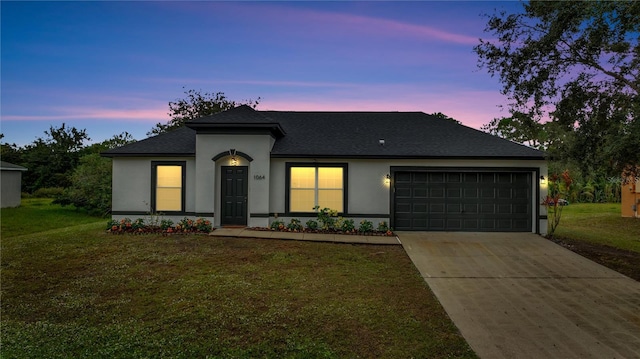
[463, 200]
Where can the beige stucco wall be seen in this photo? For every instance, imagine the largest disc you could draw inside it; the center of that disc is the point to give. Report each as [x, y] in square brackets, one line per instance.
[11, 187]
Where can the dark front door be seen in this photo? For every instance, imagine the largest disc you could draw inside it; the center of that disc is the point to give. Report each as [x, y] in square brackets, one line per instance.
[234, 195]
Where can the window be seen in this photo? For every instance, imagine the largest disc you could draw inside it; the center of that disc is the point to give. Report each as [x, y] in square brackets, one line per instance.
[168, 186]
[316, 185]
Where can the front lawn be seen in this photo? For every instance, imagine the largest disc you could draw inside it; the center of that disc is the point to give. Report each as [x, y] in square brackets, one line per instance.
[600, 223]
[38, 215]
[598, 232]
[79, 292]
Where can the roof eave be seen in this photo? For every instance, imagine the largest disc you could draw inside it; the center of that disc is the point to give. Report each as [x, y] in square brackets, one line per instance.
[133, 154]
[396, 157]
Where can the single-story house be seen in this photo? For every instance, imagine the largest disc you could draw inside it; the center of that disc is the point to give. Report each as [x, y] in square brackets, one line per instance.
[10, 184]
[244, 167]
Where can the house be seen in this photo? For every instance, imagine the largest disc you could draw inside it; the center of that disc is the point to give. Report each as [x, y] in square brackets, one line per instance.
[244, 167]
[630, 197]
[10, 184]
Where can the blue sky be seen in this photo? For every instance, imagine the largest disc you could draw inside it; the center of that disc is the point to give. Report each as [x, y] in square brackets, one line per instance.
[110, 67]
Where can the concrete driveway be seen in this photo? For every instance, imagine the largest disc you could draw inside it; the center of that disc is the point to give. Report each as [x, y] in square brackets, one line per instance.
[518, 295]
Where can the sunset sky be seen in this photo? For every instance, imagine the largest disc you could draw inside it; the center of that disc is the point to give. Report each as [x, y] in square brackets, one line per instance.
[110, 67]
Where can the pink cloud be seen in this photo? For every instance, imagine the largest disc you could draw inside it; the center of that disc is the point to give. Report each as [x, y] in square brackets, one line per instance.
[342, 23]
[87, 113]
[472, 108]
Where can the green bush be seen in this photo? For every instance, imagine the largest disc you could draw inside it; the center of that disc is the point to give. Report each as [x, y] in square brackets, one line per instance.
[277, 225]
[312, 225]
[294, 225]
[348, 225]
[326, 217]
[365, 226]
[383, 226]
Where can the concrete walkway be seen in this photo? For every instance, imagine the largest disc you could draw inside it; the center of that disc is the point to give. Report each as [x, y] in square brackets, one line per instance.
[518, 295]
[315, 237]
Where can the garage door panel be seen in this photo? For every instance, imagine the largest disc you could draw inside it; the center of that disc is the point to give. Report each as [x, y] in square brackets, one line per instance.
[503, 178]
[454, 192]
[470, 177]
[454, 224]
[420, 177]
[521, 193]
[453, 208]
[420, 209]
[487, 208]
[437, 192]
[402, 177]
[471, 192]
[454, 177]
[436, 177]
[504, 193]
[471, 208]
[463, 201]
[420, 192]
[403, 192]
[403, 208]
[489, 193]
[436, 208]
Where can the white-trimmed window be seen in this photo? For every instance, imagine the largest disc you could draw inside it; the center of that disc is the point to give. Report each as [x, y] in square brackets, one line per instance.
[168, 186]
[316, 185]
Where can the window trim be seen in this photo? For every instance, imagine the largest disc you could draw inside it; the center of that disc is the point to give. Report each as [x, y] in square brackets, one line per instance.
[345, 182]
[154, 185]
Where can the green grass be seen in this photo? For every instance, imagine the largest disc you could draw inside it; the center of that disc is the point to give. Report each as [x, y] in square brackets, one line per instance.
[39, 214]
[78, 292]
[600, 223]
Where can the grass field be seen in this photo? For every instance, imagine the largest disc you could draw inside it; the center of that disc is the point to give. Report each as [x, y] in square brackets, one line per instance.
[78, 292]
[39, 214]
[600, 223]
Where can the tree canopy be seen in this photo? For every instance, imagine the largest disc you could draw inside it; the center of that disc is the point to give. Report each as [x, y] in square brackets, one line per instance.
[196, 104]
[444, 117]
[571, 71]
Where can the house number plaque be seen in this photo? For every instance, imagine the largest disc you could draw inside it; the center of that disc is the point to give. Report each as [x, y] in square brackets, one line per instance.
[259, 177]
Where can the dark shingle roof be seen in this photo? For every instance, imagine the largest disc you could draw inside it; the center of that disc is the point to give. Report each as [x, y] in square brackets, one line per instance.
[346, 134]
[179, 142]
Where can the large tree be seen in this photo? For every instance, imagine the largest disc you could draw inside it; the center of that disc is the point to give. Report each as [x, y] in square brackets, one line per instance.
[196, 104]
[90, 181]
[51, 160]
[571, 71]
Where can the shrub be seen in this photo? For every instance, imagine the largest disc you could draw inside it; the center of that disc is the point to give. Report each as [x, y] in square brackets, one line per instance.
[166, 223]
[348, 225]
[203, 225]
[383, 226]
[295, 225]
[276, 225]
[312, 225]
[327, 217]
[365, 226]
[138, 224]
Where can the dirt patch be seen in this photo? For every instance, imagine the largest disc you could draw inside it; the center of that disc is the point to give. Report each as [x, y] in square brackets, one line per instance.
[620, 260]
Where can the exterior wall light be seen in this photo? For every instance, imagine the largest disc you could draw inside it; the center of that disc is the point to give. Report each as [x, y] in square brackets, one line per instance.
[543, 180]
[234, 160]
[387, 179]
